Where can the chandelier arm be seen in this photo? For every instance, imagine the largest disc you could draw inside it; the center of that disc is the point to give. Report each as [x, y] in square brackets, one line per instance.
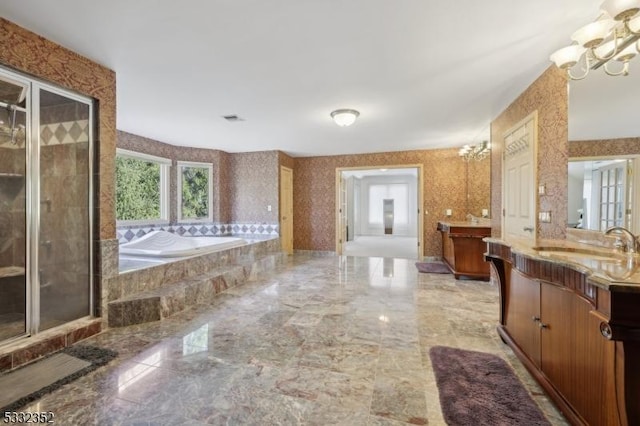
[582, 77]
[615, 51]
[586, 69]
[628, 28]
[623, 71]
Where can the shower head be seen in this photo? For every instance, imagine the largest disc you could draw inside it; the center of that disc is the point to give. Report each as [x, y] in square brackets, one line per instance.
[10, 128]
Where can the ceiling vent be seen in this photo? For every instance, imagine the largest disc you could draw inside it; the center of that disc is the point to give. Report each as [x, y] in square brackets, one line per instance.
[232, 118]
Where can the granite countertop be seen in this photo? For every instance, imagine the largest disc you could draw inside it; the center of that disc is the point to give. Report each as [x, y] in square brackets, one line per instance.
[605, 267]
[482, 223]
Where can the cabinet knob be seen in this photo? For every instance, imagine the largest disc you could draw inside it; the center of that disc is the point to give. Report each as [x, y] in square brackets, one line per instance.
[535, 318]
[543, 325]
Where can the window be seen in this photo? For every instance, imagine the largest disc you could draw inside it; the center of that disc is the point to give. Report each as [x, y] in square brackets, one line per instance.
[399, 192]
[195, 191]
[612, 196]
[142, 188]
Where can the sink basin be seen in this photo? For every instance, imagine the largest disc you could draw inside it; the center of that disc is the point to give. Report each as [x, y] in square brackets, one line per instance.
[579, 254]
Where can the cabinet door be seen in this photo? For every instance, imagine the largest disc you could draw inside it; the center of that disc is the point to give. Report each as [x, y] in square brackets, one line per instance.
[523, 312]
[556, 336]
[575, 357]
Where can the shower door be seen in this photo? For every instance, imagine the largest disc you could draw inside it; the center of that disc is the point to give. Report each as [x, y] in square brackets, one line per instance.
[45, 206]
[64, 244]
[14, 292]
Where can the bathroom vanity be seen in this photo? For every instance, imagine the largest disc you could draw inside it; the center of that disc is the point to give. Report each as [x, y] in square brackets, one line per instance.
[570, 312]
[463, 248]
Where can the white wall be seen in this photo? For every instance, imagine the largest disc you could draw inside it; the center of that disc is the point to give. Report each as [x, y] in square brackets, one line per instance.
[364, 227]
[350, 208]
[575, 191]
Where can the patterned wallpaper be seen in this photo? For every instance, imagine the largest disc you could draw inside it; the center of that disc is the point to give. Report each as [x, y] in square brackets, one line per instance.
[444, 188]
[547, 95]
[604, 147]
[144, 145]
[245, 183]
[478, 186]
[254, 186]
[33, 54]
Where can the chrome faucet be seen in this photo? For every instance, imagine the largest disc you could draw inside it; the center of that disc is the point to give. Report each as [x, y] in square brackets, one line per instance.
[631, 245]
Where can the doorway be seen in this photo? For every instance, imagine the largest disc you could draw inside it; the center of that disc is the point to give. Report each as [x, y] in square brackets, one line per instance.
[378, 211]
[286, 209]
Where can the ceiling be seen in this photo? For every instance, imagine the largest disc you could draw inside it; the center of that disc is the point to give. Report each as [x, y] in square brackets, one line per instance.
[423, 74]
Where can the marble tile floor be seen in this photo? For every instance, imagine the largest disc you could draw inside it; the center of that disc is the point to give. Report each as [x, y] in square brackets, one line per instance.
[322, 340]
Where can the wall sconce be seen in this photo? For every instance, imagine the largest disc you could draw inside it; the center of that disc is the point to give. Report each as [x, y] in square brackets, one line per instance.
[614, 35]
[475, 152]
[344, 117]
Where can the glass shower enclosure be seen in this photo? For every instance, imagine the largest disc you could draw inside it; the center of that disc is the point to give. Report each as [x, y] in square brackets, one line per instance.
[46, 156]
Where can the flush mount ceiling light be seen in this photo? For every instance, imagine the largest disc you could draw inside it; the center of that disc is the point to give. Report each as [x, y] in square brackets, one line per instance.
[614, 35]
[344, 117]
[475, 152]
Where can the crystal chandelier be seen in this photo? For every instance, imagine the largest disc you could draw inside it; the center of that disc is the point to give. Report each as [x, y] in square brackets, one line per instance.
[614, 35]
[475, 152]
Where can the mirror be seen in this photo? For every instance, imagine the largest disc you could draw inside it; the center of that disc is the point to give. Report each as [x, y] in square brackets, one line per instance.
[604, 147]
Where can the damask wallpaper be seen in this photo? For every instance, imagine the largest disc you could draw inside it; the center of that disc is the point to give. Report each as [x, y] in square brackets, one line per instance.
[245, 184]
[604, 147]
[254, 187]
[30, 53]
[547, 95]
[445, 187]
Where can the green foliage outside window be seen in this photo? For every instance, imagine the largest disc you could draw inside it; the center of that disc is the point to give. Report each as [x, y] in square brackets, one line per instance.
[137, 189]
[195, 192]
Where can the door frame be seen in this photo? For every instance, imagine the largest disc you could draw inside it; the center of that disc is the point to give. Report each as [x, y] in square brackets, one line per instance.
[420, 201]
[281, 211]
[534, 174]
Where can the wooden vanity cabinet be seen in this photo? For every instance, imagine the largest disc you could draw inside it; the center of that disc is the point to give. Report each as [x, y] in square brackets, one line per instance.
[556, 322]
[463, 249]
[522, 311]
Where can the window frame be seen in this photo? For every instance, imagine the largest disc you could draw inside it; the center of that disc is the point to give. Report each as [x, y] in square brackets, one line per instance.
[201, 165]
[165, 169]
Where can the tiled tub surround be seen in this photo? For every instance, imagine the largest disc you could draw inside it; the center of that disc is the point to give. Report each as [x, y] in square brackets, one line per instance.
[126, 234]
[161, 290]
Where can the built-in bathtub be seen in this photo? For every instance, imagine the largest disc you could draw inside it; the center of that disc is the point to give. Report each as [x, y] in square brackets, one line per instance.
[162, 244]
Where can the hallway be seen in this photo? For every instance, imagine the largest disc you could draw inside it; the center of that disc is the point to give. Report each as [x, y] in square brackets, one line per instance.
[382, 246]
[324, 340]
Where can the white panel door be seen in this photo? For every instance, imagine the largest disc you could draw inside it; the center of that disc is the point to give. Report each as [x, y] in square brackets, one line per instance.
[519, 180]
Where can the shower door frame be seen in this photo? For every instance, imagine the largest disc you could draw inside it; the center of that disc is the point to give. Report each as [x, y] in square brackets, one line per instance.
[22, 80]
[33, 201]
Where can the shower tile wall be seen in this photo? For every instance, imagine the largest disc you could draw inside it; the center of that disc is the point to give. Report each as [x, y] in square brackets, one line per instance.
[64, 250]
[12, 230]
